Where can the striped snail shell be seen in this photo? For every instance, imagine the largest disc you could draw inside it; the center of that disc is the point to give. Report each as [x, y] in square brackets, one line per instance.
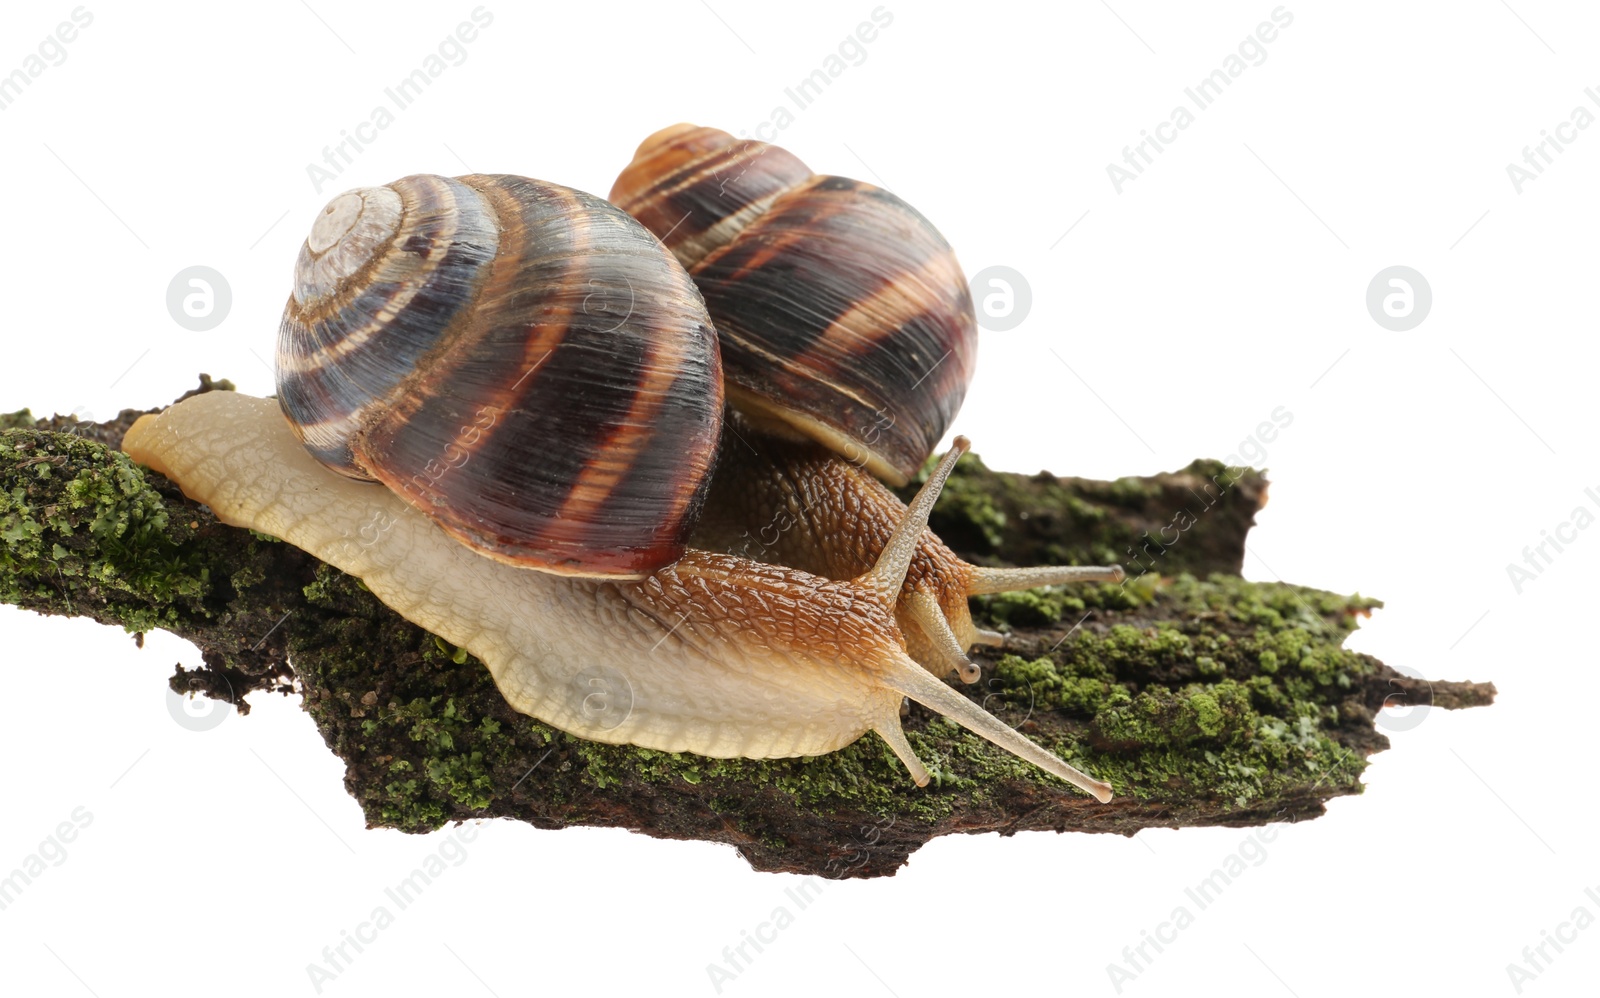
[521, 361]
[841, 311]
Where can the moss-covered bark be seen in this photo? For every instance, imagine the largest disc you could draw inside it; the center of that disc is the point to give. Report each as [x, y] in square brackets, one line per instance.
[1204, 699]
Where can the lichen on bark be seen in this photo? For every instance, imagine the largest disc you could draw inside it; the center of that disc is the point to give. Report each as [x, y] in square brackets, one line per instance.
[1203, 698]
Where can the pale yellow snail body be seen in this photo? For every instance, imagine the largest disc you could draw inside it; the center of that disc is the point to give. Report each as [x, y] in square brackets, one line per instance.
[721, 656]
[545, 459]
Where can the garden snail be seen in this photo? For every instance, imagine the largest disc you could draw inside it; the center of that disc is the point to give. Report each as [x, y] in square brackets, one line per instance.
[835, 283]
[723, 655]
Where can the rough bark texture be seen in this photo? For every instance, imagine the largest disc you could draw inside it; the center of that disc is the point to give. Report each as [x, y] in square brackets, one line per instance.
[1204, 699]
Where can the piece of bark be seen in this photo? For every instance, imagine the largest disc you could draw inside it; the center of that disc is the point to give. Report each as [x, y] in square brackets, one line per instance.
[1204, 699]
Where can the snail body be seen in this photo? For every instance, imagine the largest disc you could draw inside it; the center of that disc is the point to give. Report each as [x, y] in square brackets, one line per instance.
[715, 654]
[534, 380]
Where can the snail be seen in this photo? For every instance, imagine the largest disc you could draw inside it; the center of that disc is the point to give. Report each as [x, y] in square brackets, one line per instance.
[844, 321]
[437, 327]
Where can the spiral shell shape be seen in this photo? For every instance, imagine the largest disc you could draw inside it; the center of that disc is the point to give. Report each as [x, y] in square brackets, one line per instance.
[841, 311]
[519, 360]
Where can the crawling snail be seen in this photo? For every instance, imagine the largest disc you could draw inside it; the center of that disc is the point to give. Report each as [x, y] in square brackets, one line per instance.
[536, 381]
[840, 300]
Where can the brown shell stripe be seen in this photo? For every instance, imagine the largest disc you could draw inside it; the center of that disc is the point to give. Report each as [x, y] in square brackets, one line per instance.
[680, 449]
[843, 294]
[505, 439]
[348, 351]
[445, 446]
[683, 206]
[935, 364]
[650, 472]
[619, 451]
[655, 466]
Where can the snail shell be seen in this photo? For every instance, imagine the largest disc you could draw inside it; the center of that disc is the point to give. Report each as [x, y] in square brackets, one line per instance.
[841, 311]
[519, 360]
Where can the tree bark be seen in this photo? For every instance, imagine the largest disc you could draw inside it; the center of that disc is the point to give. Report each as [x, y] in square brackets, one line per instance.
[1203, 698]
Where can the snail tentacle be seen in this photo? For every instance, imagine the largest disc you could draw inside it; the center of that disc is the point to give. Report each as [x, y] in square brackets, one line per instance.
[925, 610]
[889, 574]
[916, 683]
[989, 639]
[1009, 580]
[890, 731]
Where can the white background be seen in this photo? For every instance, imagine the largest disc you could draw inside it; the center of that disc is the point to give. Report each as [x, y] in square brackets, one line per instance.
[1227, 280]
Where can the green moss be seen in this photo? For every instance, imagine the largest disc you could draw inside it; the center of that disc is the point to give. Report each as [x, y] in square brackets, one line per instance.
[1130, 491]
[864, 775]
[457, 655]
[1215, 689]
[71, 509]
[1159, 717]
[1193, 704]
[458, 755]
[1041, 519]
[1054, 604]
